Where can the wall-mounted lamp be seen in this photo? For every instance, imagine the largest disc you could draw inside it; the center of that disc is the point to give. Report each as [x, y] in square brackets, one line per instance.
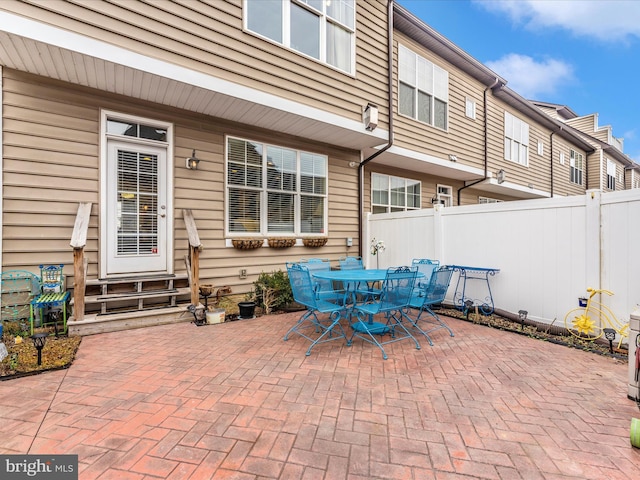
[193, 161]
[436, 200]
[453, 158]
[370, 116]
[501, 175]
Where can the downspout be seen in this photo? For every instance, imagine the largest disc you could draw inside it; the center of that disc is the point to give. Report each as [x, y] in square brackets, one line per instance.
[486, 137]
[390, 140]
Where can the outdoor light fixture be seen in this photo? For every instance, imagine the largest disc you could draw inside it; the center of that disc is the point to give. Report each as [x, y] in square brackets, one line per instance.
[500, 176]
[610, 334]
[522, 315]
[436, 200]
[370, 117]
[193, 161]
[39, 339]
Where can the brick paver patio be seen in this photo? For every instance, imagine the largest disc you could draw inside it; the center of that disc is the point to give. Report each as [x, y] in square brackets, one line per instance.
[234, 401]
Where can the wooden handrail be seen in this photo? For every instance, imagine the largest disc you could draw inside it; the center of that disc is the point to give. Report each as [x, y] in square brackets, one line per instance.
[78, 242]
[194, 255]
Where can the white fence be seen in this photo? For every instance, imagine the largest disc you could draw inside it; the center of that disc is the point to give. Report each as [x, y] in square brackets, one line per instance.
[548, 251]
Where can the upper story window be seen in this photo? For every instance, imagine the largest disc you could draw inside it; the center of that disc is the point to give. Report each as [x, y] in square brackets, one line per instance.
[576, 167]
[470, 108]
[516, 139]
[424, 89]
[394, 194]
[275, 190]
[611, 175]
[324, 30]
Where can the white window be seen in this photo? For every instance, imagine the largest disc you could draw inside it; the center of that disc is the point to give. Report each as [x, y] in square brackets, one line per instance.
[561, 158]
[516, 140]
[611, 175]
[423, 89]
[540, 148]
[488, 200]
[576, 167]
[444, 195]
[275, 190]
[394, 194]
[470, 108]
[320, 29]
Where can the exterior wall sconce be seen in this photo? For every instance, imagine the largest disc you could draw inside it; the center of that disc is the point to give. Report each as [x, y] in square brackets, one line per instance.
[522, 315]
[436, 200]
[500, 176]
[370, 116]
[193, 161]
[453, 158]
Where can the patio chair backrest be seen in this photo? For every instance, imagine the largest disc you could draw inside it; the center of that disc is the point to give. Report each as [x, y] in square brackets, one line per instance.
[351, 263]
[437, 288]
[397, 288]
[52, 278]
[301, 285]
[318, 265]
[425, 266]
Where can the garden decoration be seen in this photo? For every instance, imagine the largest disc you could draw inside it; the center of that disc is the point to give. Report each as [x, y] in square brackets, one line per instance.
[377, 246]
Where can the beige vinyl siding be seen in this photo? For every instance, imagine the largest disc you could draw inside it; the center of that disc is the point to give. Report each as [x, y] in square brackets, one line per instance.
[207, 36]
[463, 135]
[51, 163]
[586, 124]
[595, 169]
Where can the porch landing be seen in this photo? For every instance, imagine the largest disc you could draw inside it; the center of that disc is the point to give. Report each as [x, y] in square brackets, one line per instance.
[115, 322]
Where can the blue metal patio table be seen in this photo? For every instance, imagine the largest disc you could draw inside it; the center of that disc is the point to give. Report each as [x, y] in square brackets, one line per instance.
[351, 279]
[483, 274]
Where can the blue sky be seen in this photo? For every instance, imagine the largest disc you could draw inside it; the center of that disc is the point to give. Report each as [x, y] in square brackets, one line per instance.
[581, 53]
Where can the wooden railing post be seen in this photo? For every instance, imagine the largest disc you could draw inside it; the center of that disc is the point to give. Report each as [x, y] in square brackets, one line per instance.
[194, 255]
[78, 242]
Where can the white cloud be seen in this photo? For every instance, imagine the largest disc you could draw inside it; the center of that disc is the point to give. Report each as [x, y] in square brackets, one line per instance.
[531, 79]
[611, 20]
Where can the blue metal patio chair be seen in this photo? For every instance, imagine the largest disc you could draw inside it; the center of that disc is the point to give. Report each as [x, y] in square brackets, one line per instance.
[394, 297]
[425, 266]
[305, 292]
[325, 289]
[362, 292]
[423, 299]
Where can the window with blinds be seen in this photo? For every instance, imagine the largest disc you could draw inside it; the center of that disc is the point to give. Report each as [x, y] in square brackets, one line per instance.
[394, 194]
[423, 89]
[273, 190]
[576, 167]
[516, 139]
[137, 203]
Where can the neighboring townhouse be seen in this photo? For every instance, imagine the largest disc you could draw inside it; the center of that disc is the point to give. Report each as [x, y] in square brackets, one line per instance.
[256, 123]
[460, 136]
[607, 168]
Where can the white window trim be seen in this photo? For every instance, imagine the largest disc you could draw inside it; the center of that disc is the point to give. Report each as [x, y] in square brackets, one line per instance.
[388, 205]
[402, 50]
[485, 200]
[263, 230]
[286, 34]
[445, 193]
[573, 156]
[514, 124]
[470, 108]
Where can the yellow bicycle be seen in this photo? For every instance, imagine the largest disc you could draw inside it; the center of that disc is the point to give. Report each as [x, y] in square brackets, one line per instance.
[594, 319]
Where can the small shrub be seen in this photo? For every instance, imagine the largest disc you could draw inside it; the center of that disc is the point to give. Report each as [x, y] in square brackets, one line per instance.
[273, 291]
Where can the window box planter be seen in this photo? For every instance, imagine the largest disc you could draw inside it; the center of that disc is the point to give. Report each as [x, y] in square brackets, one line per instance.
[281, 242]
[247, 243]
[315, 242]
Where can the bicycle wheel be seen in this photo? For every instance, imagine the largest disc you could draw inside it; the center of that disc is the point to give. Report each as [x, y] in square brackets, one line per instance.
[583, 324]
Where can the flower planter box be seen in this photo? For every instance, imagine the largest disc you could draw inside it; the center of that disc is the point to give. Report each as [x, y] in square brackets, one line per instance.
[281, 242]
[315, 242]
[247, 243]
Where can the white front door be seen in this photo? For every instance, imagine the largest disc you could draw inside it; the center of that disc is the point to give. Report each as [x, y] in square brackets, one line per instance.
[136, 209]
